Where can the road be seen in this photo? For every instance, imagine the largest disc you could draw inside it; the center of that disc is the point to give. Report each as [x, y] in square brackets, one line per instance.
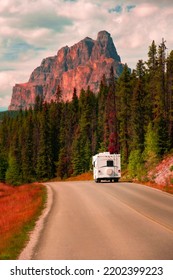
[107, 221]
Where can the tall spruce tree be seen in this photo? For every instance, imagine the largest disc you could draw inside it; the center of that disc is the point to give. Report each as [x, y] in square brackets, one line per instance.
[124, 113]
[3, 165]
[138, 108]
[44, 167]
[102, 123]
[169, 81]
[28, 171]
[151, 151]
[111, 111]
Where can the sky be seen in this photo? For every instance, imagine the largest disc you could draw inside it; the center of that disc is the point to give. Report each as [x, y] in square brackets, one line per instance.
[31, 30]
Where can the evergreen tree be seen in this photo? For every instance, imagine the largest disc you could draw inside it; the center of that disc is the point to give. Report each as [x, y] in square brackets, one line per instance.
[38, 105]
[138, 108]
[28, 171]
[3, 165]
[77, 157]
[135, 166]
[159, 95]
[65, 139]
[44, 168]
[124, 113]
[151, 151]
[111, 111]
[102, 123]
[152, 57]
[54, 116]
[170, 97]
[13, 175]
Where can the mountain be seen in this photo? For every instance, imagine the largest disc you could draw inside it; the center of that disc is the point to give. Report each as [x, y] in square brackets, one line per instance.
[78, 66]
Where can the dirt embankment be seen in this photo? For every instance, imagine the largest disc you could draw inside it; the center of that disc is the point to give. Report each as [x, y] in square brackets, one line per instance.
[161, 177]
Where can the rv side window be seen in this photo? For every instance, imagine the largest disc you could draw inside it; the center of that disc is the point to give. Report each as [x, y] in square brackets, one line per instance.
[110, 163]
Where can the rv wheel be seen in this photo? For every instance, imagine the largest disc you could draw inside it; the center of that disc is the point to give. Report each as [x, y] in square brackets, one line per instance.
[116, 180]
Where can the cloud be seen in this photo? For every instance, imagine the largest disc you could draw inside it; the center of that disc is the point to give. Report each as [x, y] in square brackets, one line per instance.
[31, 30]
[145, 10]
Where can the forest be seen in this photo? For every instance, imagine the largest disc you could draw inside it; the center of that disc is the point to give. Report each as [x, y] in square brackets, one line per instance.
[131, 115]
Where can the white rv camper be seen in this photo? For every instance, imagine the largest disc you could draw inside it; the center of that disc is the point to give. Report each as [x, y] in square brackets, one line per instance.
[106, 166]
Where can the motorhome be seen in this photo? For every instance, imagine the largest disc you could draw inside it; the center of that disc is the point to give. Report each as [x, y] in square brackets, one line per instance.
[106, 166]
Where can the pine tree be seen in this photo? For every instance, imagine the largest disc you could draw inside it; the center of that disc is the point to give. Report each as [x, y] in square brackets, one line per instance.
[169, 106]
[157, 86]
[111, 111]
[54, 116]
[44, 167]
[28, 170]
[152, 57]
[102, 123]
[38, 105]
[3, 165]
[77, 157]
[136, 167]
[138, 110]
[124, 113]
[13, 175]
[151, 151]
[65, 140]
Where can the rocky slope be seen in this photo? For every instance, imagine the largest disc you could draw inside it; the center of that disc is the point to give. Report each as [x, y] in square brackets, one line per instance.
[162, 174]
[79, 66]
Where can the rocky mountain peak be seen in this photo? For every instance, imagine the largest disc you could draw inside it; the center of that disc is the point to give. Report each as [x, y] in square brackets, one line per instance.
[78, 66]
[103, 36]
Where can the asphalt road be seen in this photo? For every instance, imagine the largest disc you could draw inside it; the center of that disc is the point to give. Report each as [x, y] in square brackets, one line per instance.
[107, 221]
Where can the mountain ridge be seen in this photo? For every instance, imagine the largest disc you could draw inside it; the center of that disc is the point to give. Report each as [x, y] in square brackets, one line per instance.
[78, 66]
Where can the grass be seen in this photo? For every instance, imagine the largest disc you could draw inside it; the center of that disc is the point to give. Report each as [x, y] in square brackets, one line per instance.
[20, 208]
[82, 177]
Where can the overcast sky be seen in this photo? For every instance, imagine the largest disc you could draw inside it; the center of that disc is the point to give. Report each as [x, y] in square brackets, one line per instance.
[31, 30]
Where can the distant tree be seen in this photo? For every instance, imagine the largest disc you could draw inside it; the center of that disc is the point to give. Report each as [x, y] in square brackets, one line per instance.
[13, 175]
[58, 94]
[38, 105]
[152, 57]
[3, 165]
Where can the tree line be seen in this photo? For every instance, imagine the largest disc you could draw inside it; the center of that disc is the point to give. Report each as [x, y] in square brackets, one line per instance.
[131, 115]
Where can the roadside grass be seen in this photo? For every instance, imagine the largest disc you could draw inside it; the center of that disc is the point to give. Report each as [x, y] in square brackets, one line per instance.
[82, 177]
[87, 176]
[20, 208]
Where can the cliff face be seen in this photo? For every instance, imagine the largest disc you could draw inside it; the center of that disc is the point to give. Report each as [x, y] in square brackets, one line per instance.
[79, 66]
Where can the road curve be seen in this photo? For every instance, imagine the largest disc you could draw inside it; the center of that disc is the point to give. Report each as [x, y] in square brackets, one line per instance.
[105, 221]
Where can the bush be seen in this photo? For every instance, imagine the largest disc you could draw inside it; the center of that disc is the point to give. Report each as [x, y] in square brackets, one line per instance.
[151, 151]
[136, 165]
[171, 168]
